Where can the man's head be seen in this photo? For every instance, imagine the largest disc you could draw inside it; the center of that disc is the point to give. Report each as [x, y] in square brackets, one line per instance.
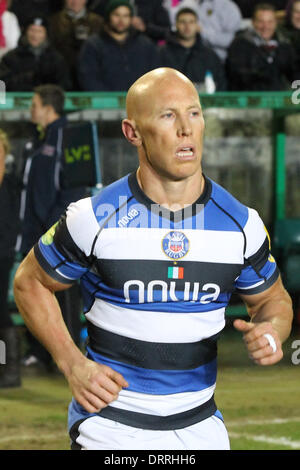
[75, 5]
[264, 20]
[118, 15]
[187, 24]
[165, 123]
[36, 31]
[295, 14]
[47, 104]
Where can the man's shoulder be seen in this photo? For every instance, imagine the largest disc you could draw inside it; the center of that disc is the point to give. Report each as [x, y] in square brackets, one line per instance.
[96, 40]
[91, 213]
[94, 18]
[113, 194]
[138, 38]
[229, 204]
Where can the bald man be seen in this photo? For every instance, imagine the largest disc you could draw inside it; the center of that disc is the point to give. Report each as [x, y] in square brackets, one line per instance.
[158, 254]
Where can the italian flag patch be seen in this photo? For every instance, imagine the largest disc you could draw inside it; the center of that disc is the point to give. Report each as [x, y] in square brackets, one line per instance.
[175, 273]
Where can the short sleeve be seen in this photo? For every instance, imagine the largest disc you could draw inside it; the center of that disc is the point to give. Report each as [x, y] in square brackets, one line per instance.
[260, 270]
[65, 250]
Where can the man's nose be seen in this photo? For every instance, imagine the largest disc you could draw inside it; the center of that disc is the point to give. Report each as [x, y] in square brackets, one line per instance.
[184, 127]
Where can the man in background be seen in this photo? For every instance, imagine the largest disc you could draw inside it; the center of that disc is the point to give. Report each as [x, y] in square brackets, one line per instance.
[44, 199]
[186, 52]
[69, 29]
[259, 59]
[115, 58]
[34, 62]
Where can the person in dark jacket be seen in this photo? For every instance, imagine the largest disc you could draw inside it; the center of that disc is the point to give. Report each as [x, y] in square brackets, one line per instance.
[114, 59]
[69, 29]
[149, 17]
[9, 222]
[291, 31]
[34, 62]
[186, 52]
[259, 59]
[44, 199]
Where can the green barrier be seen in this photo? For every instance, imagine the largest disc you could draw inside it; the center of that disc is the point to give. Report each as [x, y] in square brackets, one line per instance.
[281, 104]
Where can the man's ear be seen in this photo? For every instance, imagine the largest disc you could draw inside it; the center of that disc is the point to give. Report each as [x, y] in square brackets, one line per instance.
[131, 133]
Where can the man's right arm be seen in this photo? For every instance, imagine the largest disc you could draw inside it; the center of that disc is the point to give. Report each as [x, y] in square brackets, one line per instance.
[93, 385]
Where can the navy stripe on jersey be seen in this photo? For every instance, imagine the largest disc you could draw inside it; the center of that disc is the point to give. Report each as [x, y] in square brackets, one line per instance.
[161, 382]
[77, 414]
[259, 259]
[117, 272]
[151, 355]
[162, 423]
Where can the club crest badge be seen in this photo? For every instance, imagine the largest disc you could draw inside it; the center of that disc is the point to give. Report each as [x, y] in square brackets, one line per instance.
[175, 245]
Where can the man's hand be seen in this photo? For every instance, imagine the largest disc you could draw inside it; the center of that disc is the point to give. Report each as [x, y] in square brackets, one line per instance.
[257, 344]
[94, 385]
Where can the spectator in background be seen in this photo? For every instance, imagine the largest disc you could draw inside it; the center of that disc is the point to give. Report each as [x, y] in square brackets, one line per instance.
[25, 9]
[291, 30]
[258, 59]
[10, 372]
[186, 52]
[34, 62]
[149, 17]
[69, 29]
[173, 6]
[9, 28]
[44, 199]
[115, 58]
[219, 20]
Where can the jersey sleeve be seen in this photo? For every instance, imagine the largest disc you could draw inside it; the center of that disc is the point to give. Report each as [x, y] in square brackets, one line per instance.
[65, 250]
[260, 270]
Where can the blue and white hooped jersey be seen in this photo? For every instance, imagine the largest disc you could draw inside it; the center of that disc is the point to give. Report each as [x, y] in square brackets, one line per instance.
[156, 284]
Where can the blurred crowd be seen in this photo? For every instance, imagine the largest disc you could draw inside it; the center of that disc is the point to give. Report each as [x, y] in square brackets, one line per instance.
[105, 45]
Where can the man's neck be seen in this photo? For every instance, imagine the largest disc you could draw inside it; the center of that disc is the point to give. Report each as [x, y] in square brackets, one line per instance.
[52, 118]
[76, 14]
[117, 36]
[187, 43]
[173, 195]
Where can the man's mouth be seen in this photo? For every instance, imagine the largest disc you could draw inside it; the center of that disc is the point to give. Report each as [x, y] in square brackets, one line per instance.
[184, 152]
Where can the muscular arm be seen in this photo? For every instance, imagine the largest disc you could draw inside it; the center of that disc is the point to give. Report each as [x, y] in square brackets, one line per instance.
[93, 385]
[270, 312]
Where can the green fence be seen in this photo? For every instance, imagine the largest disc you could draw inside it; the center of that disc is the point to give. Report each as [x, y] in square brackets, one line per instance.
[280, 103]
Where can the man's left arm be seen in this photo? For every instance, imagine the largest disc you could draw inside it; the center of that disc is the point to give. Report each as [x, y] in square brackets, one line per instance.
[271, 313]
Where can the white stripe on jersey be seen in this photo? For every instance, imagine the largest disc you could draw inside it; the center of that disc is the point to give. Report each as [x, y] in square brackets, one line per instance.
[255, 233]
[82, 224]
[204, 245]
[162, 405]
[159, 327]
